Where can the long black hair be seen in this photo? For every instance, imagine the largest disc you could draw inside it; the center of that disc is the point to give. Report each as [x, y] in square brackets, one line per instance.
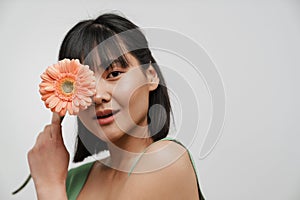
[81, 40]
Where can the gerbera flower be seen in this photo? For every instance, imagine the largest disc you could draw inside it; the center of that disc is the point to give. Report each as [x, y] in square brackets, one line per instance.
[67, 86]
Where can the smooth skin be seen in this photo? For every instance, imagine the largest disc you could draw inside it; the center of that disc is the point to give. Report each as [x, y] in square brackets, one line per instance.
[175, 181]
[164, 172]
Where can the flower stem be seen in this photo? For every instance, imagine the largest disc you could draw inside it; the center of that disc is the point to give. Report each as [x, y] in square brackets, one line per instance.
[22, 186]
[29, 177]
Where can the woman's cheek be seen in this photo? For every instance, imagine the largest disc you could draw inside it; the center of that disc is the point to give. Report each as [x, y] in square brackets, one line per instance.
[131, 93]
[128, 85]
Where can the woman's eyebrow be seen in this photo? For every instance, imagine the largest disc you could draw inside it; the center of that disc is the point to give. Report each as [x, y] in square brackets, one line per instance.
[109, 64]
[118, 63]
[113, 65]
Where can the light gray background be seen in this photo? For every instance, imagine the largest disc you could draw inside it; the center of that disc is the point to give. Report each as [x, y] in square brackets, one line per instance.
[255, 46]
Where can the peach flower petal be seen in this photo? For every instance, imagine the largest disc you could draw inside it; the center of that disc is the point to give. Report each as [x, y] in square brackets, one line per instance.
[49, 88]
[50, 99]
[69, 108]
[46, 96]
[75, 108]
[45, 77]
[53, 102]
[76, 101]
[63, 67]
[63, 111]
[59, 106]
[52, 72]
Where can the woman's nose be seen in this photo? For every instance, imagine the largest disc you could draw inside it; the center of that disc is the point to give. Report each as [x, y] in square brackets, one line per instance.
[102, 93]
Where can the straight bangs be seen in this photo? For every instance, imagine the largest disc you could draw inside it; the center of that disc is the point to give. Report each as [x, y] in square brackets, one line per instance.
[94, 45]
[102, 48]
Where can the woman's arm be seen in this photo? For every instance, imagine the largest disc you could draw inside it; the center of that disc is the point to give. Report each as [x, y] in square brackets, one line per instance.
[48, 161]
[57, 192]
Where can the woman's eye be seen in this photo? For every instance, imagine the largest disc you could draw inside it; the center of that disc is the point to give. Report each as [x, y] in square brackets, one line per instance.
[114, 74]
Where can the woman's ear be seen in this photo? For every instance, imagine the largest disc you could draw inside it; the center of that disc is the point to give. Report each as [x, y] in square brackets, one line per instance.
[152, 77]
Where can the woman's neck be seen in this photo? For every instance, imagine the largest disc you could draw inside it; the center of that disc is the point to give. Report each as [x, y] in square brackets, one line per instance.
[126, 150]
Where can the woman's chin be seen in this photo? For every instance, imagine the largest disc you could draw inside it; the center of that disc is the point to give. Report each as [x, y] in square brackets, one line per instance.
[109, 137]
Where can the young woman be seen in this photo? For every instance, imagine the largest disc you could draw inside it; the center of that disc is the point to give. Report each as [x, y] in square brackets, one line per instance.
[129, 117]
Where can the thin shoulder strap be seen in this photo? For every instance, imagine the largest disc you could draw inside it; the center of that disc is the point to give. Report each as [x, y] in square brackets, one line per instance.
[140, 156]
[190, 155]
[193, 163]
[137, 160]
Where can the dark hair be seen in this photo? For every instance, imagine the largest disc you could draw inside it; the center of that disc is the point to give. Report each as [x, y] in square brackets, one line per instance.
[81, 40]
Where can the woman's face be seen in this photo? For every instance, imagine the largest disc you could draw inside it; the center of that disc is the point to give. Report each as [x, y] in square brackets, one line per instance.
[121, 101]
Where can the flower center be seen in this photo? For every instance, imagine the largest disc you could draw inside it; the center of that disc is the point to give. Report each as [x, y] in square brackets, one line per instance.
[67, 86]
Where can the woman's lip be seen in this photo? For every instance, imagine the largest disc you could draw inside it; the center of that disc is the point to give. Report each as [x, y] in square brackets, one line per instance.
[107, 120]
[102, 113]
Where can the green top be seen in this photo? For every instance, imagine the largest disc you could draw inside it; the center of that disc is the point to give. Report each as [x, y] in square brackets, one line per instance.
[77, 176]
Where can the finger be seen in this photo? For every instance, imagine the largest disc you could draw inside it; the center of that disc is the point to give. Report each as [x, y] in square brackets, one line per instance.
[56, 119]
[43, 136]
[55, 132]
[39, 138]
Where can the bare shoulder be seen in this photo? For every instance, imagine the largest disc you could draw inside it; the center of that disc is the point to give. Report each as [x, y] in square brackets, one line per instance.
[166, 167]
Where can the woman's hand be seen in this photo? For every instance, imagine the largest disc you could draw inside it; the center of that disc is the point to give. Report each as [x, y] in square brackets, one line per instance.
[48, 161]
